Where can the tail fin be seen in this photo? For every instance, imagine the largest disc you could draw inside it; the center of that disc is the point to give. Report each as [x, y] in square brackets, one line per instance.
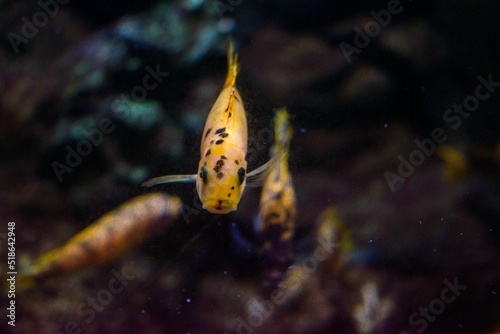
[232, 64]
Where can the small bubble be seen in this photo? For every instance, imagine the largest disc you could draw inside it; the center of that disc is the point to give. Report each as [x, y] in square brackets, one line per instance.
[386, 125]
[188, 300]
[371, 240]
[143, 311]
[420, 222]
[303, 130]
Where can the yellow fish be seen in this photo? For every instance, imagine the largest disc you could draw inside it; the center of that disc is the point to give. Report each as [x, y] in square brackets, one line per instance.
[457, 165]
[275, 225]
[222, 170]
[333, 243]
[107, 238]
[334, 239]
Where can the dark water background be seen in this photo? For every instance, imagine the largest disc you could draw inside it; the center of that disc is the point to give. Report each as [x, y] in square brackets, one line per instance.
[396, 126]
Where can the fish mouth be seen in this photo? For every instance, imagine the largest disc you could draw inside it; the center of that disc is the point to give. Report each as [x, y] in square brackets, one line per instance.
[219, 206]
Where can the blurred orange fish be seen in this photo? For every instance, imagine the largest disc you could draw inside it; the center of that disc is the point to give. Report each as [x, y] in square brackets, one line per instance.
[107, 238]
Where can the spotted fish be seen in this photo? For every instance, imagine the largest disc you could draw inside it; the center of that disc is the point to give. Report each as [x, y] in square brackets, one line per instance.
[107, 238]
[222, 170]
[275, 224]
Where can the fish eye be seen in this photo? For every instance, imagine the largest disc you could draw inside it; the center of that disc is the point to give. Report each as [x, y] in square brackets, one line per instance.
[241, 174]
[204, 173]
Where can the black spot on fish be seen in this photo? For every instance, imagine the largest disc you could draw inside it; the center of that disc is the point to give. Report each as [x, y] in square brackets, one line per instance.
[211, 142]
[220, 175]
[85, 245]
[223, 157]
[241, 174]
[232, 188]
[88, 248]
[208, 131]
[278, 195]
[230, 114]
[229, 195]
[221, 130]
[218, 142]
[224, 135]
[236, 162]
[208, 153]
[218, 165]
[237, 98]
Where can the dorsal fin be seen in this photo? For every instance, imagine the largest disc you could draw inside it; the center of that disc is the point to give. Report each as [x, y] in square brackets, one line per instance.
[232, 64]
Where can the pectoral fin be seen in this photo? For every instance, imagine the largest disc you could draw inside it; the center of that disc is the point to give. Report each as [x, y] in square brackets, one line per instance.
[169, 179]
[257, 177]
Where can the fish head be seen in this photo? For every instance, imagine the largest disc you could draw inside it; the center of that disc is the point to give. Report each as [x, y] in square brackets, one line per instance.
[220, 184]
